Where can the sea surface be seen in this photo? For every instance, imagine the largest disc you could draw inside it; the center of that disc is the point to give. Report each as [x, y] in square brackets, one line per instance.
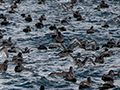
[43, 62]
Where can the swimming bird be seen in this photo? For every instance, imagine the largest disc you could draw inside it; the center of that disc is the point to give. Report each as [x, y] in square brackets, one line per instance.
[23, 15]
[28, 18]
[80, 63]
[42, 17]
[76, 14]
[20, 68]
[4, 22]
[7, 43]
[80, 18]
[102, 5]
[105, 25]
[12, 10]
[70, 76]
[39, 24]
[14, 5]
[107, 86]
[12, 49]
[110, 43]
[42, 87]
[91, 30]
[2, 16]
[109, 76]
[41, 47]
[52, 47]
[59, 37]
[63, 21]
[27, 29]
[62, 28]
[85, 84]
[53, 27]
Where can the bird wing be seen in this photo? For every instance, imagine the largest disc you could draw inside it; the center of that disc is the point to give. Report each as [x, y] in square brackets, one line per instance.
[3, 5]
[29, 70]
[92, 42]
[77, 40]
[69, 55]
[19, 49]
[5, 50]
[60, 44]
[64, 6]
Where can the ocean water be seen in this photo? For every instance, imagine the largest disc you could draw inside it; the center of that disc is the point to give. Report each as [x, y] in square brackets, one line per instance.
[43, 62]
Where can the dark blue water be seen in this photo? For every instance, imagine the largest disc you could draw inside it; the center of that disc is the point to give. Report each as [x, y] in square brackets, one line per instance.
[43, 62]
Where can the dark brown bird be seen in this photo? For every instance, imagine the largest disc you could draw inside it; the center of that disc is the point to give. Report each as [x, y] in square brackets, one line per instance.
[80, 63]
[85, 84]
[109, 76]
[20, 68]
[91, 30]
[107, 86]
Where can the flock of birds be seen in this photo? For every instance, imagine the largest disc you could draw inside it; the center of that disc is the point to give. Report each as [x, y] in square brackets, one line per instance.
[7, 46]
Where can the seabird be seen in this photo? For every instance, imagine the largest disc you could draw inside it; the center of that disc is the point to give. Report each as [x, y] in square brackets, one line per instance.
[91, 30]
[65, 51]
[20, 68]
[4, 65]
[109, 76]
[85, 44]
[110, 43]
[27, 29]
[105, 25]
[4, 22]
[69, 76]
[85, 84]
[102, 5]
[107, 86]
[80, 63]
[28, 18]
[6, 43]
